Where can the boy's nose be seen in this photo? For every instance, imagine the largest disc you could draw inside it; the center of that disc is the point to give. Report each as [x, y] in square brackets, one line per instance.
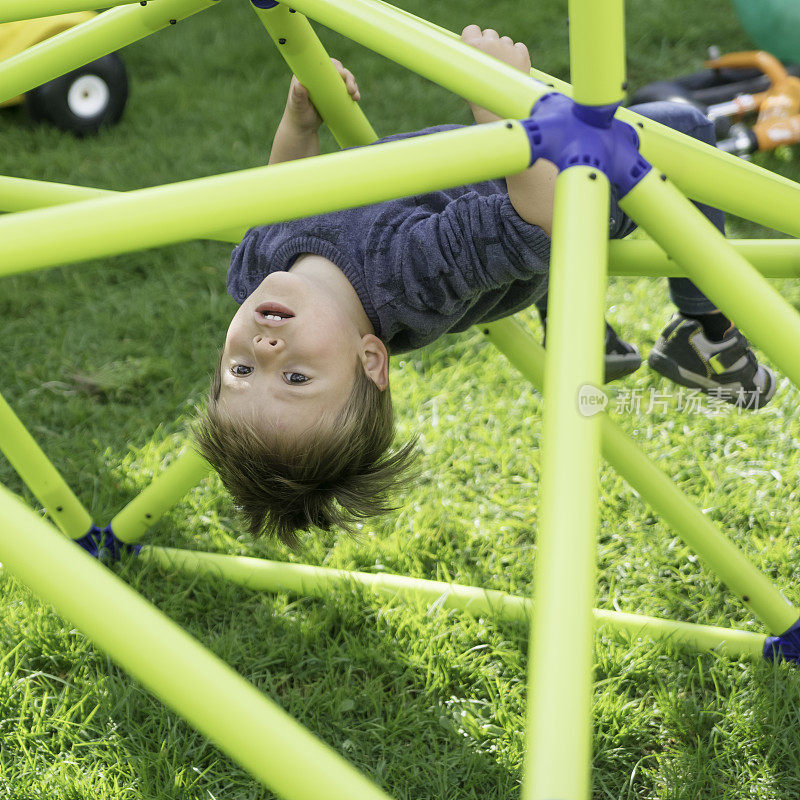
[268, 344]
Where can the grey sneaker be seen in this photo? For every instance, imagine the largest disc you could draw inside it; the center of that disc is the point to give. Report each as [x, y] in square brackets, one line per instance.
[727, 369]
[621, 357]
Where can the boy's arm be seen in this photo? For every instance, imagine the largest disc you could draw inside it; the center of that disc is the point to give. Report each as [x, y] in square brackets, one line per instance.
[293, 142]
[531, 192]
[298, 131]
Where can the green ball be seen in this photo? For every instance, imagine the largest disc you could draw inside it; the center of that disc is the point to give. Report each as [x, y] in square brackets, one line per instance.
[773, 25]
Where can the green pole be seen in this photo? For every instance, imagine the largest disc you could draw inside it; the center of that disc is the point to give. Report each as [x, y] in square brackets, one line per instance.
[307, 59]
[40, 476]
[559, 713]
[773, 258]
[719, 179]
[441, 57]
[180, 211]
[719, 554]
[703, 638]
[88, 41]
[559, 710]
[548, 80]
[240, 720]
[22, 194]
[701, 171]
[13, 10]
[597, 51]
[186, 471]
[721, 273]
[310, 581]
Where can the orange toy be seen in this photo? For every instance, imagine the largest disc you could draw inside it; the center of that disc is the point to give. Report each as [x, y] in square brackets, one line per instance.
[778, 107]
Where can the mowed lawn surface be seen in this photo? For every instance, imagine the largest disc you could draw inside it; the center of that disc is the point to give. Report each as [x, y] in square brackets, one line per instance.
[106, 361]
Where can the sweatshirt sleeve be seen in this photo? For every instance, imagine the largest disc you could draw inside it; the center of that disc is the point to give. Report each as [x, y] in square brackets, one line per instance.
[446, 263]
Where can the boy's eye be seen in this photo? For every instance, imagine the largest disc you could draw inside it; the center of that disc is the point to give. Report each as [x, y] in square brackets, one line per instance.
[241, 369]
[295, 377]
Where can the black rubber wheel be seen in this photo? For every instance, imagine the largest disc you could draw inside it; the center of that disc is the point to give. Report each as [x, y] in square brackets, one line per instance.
[672, 91]
[85, 99]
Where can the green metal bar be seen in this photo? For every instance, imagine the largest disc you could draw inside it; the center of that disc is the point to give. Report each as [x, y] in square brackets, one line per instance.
[186, 471]
[552, 83]
[701, 171]
[310, 581]
[773, 258]
[719, 179]
[13, 10]
[720, 555]
[721, 273]
[703, 638]
[548, 80]
[560, 689]
[40, 476]
[16, 10]
[21, 194]
[180, 211]
[88, 41]
[308, 60]
[423, 48]
[240, 720]
[708, 175]
[597, 51]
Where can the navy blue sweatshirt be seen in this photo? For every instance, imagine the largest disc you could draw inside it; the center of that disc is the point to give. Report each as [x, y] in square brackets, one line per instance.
[422, 266]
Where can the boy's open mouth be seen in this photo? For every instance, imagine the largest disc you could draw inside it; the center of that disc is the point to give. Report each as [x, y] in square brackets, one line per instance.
[272, 314]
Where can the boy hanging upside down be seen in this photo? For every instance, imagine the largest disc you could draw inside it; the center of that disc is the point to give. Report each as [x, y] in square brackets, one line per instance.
[299, 422]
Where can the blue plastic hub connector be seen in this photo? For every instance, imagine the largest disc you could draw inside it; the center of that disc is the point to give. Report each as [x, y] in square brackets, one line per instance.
[264, 3]
[570, 134]
[785, 647]
[103, 544]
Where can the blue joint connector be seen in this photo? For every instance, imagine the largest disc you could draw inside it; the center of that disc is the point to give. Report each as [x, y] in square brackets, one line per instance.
[103, 544]
[570, 134]
[785, 647]
[264, 4]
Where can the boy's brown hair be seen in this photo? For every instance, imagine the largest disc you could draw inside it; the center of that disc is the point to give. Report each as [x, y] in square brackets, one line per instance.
[331, 475]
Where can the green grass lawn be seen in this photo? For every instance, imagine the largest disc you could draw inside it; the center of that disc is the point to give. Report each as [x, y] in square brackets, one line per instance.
[106, 361]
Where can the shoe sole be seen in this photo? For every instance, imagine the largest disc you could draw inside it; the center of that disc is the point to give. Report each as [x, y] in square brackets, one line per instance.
[673, 371]
[617, 367]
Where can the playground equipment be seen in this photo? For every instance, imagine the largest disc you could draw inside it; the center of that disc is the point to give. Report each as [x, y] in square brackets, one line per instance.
[595, 144]
[82, 101]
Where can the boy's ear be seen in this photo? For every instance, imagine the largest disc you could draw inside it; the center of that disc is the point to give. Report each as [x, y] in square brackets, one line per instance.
[375, 360]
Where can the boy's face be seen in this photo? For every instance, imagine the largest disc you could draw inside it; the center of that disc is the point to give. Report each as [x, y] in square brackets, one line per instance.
[290, 355]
